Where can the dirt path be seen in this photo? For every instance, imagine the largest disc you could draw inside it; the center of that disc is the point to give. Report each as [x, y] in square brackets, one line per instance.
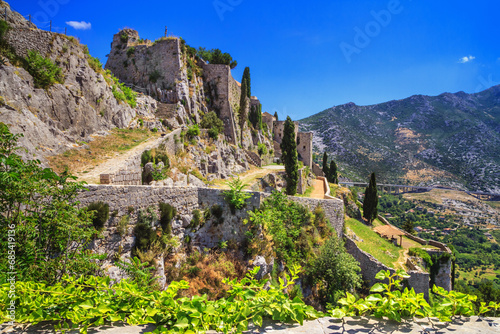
[117, 162]
[318, 190]
[249, 177]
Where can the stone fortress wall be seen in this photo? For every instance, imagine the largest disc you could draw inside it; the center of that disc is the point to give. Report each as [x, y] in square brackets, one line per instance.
[187, 199]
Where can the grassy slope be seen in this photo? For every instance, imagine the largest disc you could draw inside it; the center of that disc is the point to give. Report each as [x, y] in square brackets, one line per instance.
[372, 243]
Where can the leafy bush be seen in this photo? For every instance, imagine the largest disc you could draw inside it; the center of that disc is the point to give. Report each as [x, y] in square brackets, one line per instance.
[335, 270]
[124, 93]
[122, 225]
[197, 219]
[396, 304]
[95, 64]
[144, 233]
[419, 252]
[4, 27]
[130, 51]
[50, 237]
[211, 120]
[44, 72]
[101, 214]
[236, 197]
[167, 213]
[193, 131]
[217, 211]
[124, 38]
[104, 302]
[154, 76]
[215, 56]
[262, 149]
[291, 232]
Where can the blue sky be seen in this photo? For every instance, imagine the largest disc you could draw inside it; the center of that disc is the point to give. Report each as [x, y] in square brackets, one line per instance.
[308, 56]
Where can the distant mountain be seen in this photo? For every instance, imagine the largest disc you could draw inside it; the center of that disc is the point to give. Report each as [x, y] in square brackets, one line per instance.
[450, 139]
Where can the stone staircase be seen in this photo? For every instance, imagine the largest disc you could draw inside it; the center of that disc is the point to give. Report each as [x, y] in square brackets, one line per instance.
[253, 158]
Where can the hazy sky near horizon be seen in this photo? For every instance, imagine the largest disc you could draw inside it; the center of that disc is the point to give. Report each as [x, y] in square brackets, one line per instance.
[308, 56]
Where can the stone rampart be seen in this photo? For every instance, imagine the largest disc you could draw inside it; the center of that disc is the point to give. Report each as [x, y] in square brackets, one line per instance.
[187, 199]
[25, 39]
[370, 266]
[225, 93]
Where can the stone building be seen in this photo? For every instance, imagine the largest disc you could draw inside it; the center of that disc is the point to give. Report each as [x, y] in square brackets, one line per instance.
[303, 139]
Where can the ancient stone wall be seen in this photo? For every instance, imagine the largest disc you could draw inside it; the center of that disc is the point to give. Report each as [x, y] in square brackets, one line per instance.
[156, 67]
[187, 199]
[317, 170]
[224, 91]
[443, 275]
[25, 39]
[305, 147]
[130, 173]
[370, 267]
[278, 130]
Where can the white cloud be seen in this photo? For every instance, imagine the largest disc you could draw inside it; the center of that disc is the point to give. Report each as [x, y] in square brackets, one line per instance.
[79, 25]
[466, 59]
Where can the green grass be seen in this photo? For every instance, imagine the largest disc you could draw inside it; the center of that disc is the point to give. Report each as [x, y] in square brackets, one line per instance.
[372, 243]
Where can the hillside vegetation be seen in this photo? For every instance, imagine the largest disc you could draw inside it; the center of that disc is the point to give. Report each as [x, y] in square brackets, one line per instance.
[451, 139]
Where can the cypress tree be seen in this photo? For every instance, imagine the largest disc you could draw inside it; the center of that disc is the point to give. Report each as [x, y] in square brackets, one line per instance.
[370, 203]
[325, 165]
[332, 173]
[289, 156]
[246, 76]
[276, 115]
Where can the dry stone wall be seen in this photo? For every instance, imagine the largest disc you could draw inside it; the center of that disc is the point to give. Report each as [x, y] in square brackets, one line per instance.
[370, 267]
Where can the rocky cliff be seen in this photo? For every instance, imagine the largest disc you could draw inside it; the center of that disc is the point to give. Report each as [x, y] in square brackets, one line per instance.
[55, 119]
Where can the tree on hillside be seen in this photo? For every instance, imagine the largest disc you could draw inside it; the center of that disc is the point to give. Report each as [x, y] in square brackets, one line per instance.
[325, 164]
[370, 203]
[48, 229]
[244, 101]
[246, 76]
[216, 56]
[408, 226]
[255, 116]
[333, 176]
[289, 156]
[336, 270]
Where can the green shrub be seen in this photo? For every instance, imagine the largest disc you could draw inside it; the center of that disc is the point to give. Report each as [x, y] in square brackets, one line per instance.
[262, 149]
[197, 219]
[4, 27]
[154, 76]
[130, 51]
[211, 121]
[154, 130]
[419, 252]
[236, 197]
[167, 213]
[144, 233]
[95, 64]
[44, 72]
[213, 133]
[124, 38]
[193, 131]
[217, 211]
[122, 225]
[335, 270]
[101, 214]
[124, 93]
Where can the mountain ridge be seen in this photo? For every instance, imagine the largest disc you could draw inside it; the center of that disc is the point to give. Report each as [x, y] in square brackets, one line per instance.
[449, 139]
